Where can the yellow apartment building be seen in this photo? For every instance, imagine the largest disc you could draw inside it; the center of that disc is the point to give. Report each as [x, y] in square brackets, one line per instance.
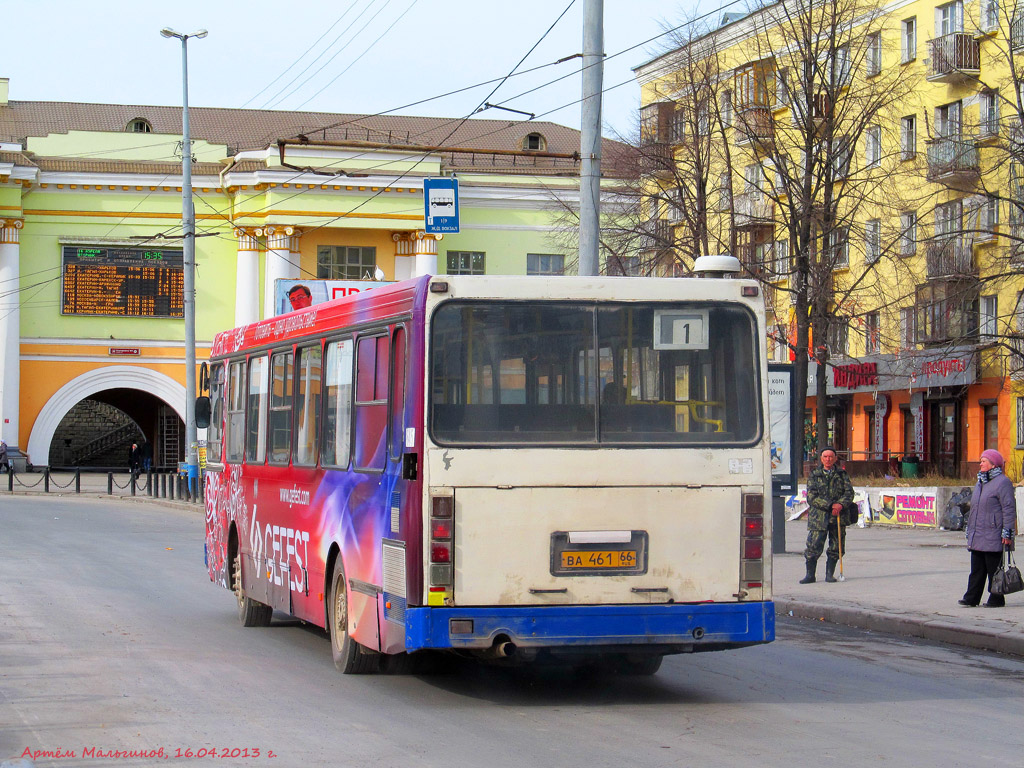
[863, 159]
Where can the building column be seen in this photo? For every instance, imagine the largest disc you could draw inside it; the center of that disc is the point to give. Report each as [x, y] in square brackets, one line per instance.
[282, 263]
[10, 334]
[247, 276]
[415, 254]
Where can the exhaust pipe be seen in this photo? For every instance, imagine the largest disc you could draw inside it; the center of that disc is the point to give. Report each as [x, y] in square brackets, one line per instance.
[503, 649]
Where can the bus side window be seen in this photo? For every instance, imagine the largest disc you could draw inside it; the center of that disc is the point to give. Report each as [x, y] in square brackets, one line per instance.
[236, 412]
[337, 404]
[280, 407]
[256, 412]
[215, 433]
[398, 392]
[307, 405]
[371, 402]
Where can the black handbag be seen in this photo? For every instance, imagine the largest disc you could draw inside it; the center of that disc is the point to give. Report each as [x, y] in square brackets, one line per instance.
[1006, 580]
[850, 514]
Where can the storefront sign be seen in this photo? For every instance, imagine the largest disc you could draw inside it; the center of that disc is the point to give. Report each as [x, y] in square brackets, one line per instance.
[855, 375]
[921, 369]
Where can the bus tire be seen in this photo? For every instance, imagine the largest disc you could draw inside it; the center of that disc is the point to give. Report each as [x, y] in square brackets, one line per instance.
[251, 613]
[350, 657]
[639, 665]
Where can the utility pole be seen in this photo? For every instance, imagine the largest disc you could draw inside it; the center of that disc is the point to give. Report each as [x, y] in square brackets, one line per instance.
[590, 136]
[188, 225]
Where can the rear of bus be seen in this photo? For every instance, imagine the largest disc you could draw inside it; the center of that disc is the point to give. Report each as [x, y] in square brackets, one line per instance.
[596, 469]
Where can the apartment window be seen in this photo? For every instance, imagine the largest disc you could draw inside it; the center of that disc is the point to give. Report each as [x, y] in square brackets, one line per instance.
[908, 39]
[841, 70]
[949, 218]
[872, 333]
[724, 192]
[908, 334]
[465, 262]
[753, 180]
[990, 15]
[726, 108]
[988, 216]
[908, 137]
[838, 335]
[873, 241]
[948, 120]
[781, 266]
[987, 312]
[782, 88]
[949, 18]
[1020, 422]
[874, 54]
[839, 247]
[988, 113]
[345, 262]
[545, 264]
[842, 151]
[139, 125]
[908, 233]
[703, 119]
[873, 146]
[677, 126]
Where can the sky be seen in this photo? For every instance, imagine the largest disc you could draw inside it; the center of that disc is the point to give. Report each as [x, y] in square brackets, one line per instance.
[354, 56]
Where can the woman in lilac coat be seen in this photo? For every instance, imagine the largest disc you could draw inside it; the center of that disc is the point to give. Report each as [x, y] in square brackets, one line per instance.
[990, 527]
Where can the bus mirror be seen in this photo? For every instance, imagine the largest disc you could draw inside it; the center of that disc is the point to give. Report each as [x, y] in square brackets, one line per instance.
[202, 412]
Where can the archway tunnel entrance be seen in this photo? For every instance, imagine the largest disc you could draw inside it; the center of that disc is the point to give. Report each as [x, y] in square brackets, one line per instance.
[98, 432]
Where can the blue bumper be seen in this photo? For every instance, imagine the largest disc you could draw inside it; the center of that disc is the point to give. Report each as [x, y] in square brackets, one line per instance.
[712, 624]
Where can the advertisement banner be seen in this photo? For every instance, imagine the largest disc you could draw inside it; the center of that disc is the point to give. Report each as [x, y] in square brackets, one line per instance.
[320, 290]
[905, 506]
[780, 420]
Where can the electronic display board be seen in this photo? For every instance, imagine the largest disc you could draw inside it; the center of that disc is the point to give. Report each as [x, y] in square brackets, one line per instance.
[122, 281]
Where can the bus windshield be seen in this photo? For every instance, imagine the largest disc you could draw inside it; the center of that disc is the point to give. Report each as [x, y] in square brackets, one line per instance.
[558, 373]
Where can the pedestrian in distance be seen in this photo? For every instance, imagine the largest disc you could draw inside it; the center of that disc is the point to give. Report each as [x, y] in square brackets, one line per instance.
[4, 461]
[134, 458]
[146, 452]
[829, 492]
[990, 528]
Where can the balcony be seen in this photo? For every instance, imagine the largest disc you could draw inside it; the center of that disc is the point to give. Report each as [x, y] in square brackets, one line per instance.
[954, 58]
[753, 211]
[657, 235]
[950, 256]
[657, 159]
[754, 125]
[952, 161]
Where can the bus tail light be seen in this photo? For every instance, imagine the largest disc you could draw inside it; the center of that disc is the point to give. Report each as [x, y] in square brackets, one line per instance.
[442, 528]
[752, 564]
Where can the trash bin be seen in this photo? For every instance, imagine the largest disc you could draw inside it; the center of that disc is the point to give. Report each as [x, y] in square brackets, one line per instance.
[909, 467]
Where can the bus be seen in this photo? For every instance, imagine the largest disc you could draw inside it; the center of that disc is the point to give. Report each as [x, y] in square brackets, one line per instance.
[566, 470]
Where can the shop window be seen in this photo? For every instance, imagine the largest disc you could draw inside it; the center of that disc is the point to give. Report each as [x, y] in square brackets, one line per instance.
[991, 413]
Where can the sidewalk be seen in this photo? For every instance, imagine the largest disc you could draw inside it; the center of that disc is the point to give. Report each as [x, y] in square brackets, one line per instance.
[900, 580]
[92, 484]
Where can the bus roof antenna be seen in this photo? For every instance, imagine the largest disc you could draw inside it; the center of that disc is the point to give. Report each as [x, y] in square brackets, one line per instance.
[716, 265]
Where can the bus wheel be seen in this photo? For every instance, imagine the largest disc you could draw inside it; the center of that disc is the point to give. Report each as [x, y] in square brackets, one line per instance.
[250, 612]
[349, 657]
[638, 665]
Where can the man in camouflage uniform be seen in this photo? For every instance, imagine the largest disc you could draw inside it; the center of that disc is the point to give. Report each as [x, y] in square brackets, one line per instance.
[828, 490]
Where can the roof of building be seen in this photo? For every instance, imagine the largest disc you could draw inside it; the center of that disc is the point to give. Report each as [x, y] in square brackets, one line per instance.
[253, 129]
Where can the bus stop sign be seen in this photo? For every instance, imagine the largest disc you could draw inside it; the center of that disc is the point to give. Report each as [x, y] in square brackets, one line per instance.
[441, 205]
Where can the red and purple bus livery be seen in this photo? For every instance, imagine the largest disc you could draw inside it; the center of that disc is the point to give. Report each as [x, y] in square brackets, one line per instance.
[512, 467]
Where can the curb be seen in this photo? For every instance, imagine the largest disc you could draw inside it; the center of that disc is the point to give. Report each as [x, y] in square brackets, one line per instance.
[1011, 643]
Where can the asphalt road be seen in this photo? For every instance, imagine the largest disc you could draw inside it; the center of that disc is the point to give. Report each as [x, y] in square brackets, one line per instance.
[113, 638]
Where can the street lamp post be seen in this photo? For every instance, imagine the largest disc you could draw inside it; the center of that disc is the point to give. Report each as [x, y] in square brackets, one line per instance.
[188, 225]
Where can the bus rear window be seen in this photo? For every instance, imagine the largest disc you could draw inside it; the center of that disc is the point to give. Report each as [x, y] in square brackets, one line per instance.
[553, 373]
